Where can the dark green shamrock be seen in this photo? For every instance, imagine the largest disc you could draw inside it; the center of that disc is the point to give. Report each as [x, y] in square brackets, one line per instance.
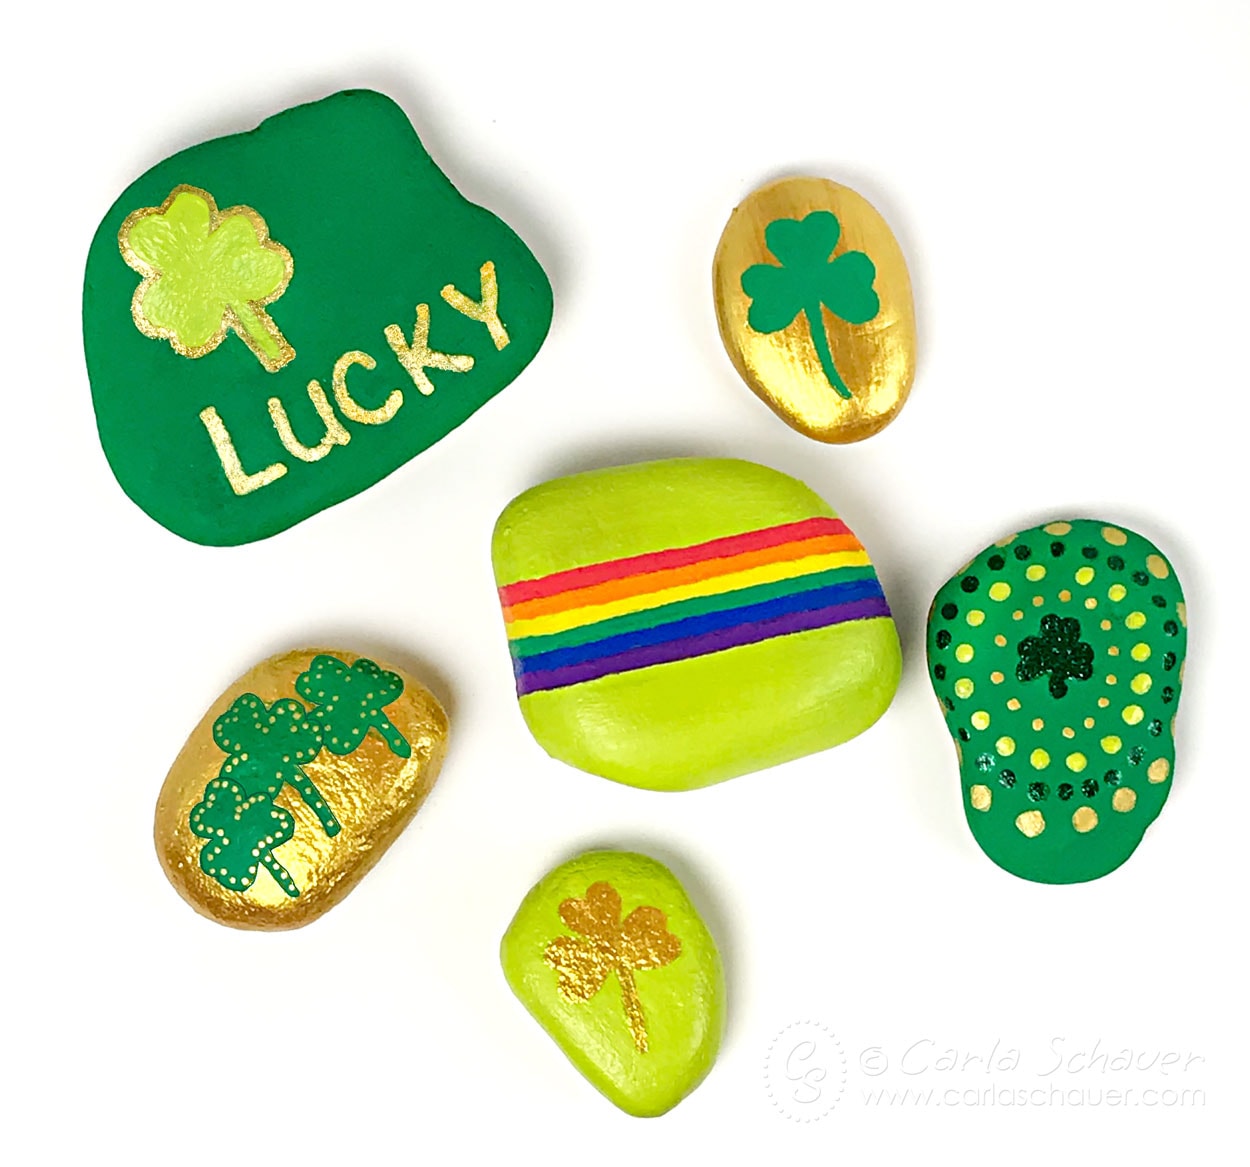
[348, 700]
[266, 746]
[808, 278]
[1059, 651]
[241, 832]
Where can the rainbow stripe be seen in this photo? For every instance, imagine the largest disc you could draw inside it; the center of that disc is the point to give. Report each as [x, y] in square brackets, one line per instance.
[625, 614]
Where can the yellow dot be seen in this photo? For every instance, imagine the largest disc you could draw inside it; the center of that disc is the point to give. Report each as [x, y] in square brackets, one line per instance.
[1038, 601]
[1111, 744]
[1014, 703]
[1091, 602]
[1018, 615]
[1065, 595]
[1035, 572]
[1114, 536]
[1103, 702]
[1084, 575]
[1181, 614]
[964, 653]
[1132, 714]
[1085, 819]
[964, 687]
[997, 678]
[1105, 625]
[1005, 746]
[1057, 528]
[1141, 652]
[976, 617]
[1140, 684]
[1135, 620]
[1075, 762]
[1116, 592]
[1158, 770]
[1157, 566]
[1000, 640]
[1038, 723]
[1031, 823]
[980, 797]
[1039, 759]
[1000, 590]
[1124, 799]
[980, 720]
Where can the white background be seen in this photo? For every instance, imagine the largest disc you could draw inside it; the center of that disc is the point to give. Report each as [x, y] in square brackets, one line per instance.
[1068, 182]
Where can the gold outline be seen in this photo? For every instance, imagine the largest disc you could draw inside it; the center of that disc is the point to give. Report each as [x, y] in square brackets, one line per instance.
[229, 322]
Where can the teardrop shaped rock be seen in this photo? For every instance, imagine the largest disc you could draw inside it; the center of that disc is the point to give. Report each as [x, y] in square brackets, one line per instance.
[815, 309]
[611, 958]
[1057, 656]
[294, 784]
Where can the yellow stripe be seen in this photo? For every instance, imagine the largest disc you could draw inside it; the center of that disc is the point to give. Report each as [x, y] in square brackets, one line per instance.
[767, 573]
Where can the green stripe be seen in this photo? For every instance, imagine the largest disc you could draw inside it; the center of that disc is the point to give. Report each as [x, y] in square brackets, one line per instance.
[699, 606]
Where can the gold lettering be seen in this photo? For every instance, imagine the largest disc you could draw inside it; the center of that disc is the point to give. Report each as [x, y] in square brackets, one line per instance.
[418, 356]
[335, 434]
[240, 481]
[487, 311]
[350, 407]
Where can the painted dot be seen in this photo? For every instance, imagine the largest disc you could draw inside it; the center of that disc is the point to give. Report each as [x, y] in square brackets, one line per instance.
[980, 720]
[1114, 650]
[1039, 759]
[1084, 819]
[1057, 549]
[1116, 592]
[1065, 791]
[1023, 551]
[1114, 536]
[1000, 590]
[1124, 799]
[1038, 723]
[1132, 714]
[1005, 746]
[1017, 615]
[1085, 575]
[976, 617]
[1103, 702]
[1035, 572]
[981, 797]
[1141, 652]
[949, 611]
[1105, 625]
[996, 563]
[1076, 762]
[1031, 823]
[1158, 770]
[1065, 595]
[964, 687]
[1157, 566]
[1091, 602]
[1182, 614]
[1111, 678]
[969, 583]
[1007, 778]
[1013, 704]
[1088, 723]
[1038, 601]
[1140, 684]
[964, 653]
[1000, 640]
[1111, 744]
[997, 678]
[1057, 528]
[1135, 620]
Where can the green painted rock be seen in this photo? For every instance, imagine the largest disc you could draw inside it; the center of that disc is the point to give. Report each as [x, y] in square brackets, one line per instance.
[1057, 657]
[613, 961]
[276, 320]
[674, 624]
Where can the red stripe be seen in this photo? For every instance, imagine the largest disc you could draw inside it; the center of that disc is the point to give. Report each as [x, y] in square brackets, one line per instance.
[597, 573]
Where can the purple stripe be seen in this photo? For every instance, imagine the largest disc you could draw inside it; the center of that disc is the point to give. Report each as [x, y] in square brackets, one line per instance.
[691, 646]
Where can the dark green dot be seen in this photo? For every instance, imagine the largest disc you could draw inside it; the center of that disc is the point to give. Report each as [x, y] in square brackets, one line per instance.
[1140, 578]
[1158, 601]
[1089, 787]
[1057, 549]
[950, 705]
[1115, 563]
[943, 638]
[1023, 551]
[1007, 778]
[1090, 552]
[1169, 695]
[970, 583]
[1112, 777]
[1065, 790]
[1038, 791]
[1135, 756]
[985, 762]
[1171, 627]
[1156, 728]
[949, 611]
[996, 562]
[939, 671]
[1169, 661]
[964, 735]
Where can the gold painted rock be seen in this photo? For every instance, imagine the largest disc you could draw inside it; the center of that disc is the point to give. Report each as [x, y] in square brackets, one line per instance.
[294, 784]
[814, 305]
[611, 958]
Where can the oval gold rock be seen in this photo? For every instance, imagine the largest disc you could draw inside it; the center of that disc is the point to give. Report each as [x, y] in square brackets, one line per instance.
[294, 784]
[815, 309]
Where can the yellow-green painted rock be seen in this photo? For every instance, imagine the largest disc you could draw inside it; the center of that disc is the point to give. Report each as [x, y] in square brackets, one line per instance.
[609, 955]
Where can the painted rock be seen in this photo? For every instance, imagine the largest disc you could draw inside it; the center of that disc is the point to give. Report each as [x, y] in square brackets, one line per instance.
[276, 320]
[674, 624]
[613, 961]
[814, 305]
[1057, 657]
[294, 783]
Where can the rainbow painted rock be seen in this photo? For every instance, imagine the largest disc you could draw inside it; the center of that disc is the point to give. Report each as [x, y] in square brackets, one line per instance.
[1057, 656]
[814, 305]
[677, 623]
[293, 785]
[611, 958]
[276, 320]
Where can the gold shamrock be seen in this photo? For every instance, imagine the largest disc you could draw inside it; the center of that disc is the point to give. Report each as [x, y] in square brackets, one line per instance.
[607, 945]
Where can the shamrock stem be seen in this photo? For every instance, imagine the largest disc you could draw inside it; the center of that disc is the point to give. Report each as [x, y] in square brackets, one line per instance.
[820, 341]
[280, 873]
[258, 331]
[393, 738]
[633, 1008]
[316, 803]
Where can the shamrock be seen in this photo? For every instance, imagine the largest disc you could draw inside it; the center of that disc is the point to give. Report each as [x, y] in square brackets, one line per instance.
[348, 700]
[266, 746]
[204, 272]
[1059, 651]
[607, 945]
[242, 831]
[808, 278]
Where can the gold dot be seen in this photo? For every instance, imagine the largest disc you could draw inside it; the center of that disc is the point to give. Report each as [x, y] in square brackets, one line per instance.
[981, 797]
[1091, 602]
[1157, 566]
[1158, 770]
[964, 687]
[1017, 615]
[1057, 528]
[1181, 614]
[1068, 731]
[1085, 819]
[1114, 536]
[1105, 625]
[1014, 703]
[1006, 746]
[1132, 714]
[1000, 590]
[980, 720]
[976, 617]
[1124, 799]
[1088, 723]
[997, 678]
[1000, 640]
[964, 653]
[1084, 575]
[1111, 744]
[1038, 601]
[1103, 702]
[1035, 572]
[1039, 759]
[1065, 595]
[1006, 542]
[1038, 723]
[1140, 684]
[1141, 652]
[1116, 592]
[1031, 823]
[1111, 678]
[1076, 762]
[1134, 620]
